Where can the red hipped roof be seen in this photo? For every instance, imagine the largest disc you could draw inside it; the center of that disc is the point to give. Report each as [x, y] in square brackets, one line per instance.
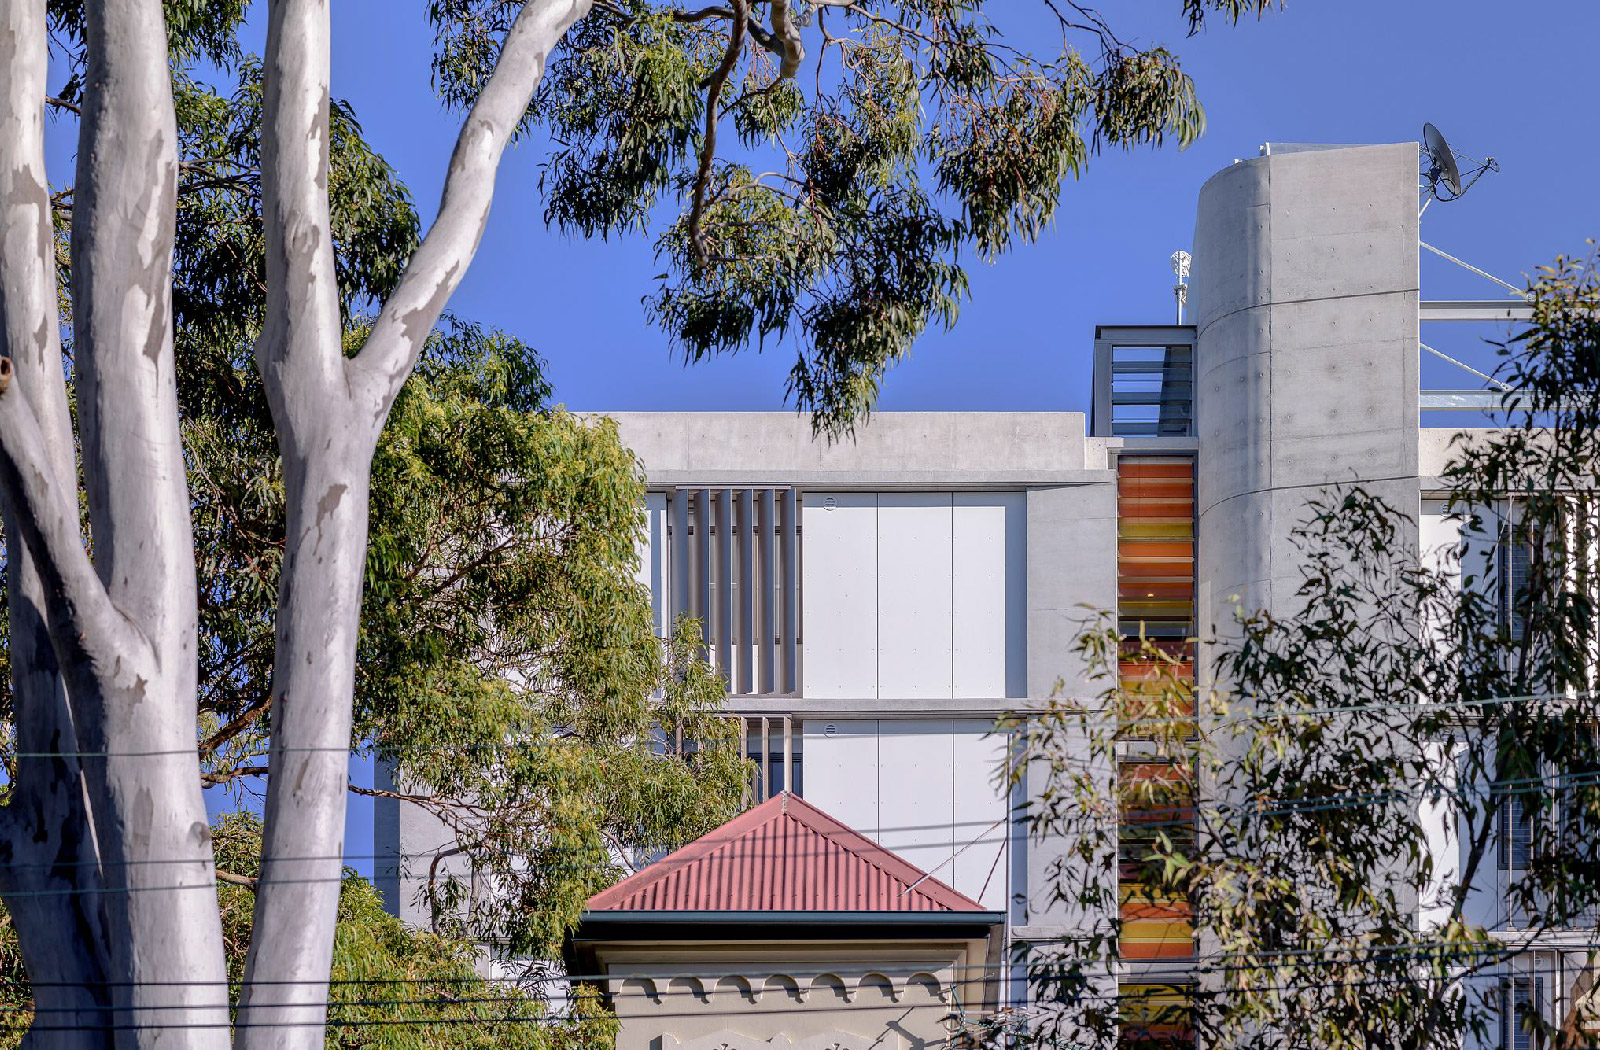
[783, 855]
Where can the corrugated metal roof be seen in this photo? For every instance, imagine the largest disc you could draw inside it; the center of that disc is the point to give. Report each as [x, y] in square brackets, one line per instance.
[783, 855]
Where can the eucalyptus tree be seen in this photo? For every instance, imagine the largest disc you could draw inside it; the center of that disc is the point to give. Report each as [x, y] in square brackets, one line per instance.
[393, 987]
[926, 128]
[1393, 796]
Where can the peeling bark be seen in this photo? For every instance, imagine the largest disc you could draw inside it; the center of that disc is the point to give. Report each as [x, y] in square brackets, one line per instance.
[329, 412]
[48, 869]
[134, 697]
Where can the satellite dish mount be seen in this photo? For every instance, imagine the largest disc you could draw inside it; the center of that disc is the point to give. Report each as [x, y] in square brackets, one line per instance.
[1444, 178]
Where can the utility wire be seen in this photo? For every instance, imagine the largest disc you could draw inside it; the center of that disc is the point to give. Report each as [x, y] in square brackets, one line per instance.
[1108, 718]
[1308, 804]
[1184, 986]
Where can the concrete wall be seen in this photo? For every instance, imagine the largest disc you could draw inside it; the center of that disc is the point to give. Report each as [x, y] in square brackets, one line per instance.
[905, 449]
[1305, 301]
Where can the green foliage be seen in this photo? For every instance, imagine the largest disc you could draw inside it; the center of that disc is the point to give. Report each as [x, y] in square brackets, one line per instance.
[393, 987]
[1390, 685]
[838, 222]
[508, 664]
[197, 31]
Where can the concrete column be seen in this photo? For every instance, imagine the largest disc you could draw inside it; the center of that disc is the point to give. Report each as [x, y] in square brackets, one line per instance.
[1305, 302]
[1305, 296]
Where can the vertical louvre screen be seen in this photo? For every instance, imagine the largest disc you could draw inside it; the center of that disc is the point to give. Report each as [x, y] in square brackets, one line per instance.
[1516, 560]
[1155, 567]
[1154, 1017]
[773, 743]
[1155, 602]
[1155, 547]
[1520, 1001]
[1155, 813]
[1515, 838]
[733, 564]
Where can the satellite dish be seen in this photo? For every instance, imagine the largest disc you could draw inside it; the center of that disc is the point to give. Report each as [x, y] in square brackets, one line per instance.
[1443, 162]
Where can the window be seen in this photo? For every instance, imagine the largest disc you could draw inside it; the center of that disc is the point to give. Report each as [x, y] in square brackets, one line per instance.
[1515, 556]
[1517, 794]
[775, 743]
[1520, 997]
[1154, 1017]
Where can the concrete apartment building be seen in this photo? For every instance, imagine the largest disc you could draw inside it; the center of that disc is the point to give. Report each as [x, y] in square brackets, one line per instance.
[876, 604]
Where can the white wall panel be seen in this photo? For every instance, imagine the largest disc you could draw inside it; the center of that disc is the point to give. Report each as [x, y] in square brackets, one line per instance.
[990, 602]
[653, 556]
[916, 785]
[979, 812]
[1016, 504]
[841, 772]
[914, 596]
[838, 592]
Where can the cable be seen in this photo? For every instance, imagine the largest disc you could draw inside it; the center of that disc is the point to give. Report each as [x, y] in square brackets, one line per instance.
[1464, 366]
[1109, 718]
[1309, 804]
[1184, 985]
[1521, 293]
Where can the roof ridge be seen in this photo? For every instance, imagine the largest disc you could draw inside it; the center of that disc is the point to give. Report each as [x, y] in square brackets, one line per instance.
[706, 845]
[904, 877]
[880, 856]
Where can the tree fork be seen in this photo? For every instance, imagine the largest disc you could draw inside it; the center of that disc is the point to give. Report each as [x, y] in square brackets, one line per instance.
[329, 412]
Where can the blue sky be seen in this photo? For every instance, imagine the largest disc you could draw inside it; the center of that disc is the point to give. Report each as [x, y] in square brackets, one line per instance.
[1498, 78]
[1318, 71]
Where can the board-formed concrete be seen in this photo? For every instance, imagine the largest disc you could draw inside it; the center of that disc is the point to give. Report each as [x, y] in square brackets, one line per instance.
[1305, 299]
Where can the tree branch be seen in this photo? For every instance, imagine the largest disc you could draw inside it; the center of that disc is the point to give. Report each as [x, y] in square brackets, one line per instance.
[708, 145]
[214, 779]
[441, 260]
[793, 50]
[235, 726]
[83, 620]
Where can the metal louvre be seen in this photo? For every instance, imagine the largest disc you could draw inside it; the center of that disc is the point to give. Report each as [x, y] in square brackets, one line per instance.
[1143, 381]
[774, 744]
[733, 558]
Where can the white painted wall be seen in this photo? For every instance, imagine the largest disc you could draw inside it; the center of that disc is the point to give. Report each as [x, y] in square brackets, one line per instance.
[914, 596]
[990, 598]
[838, 594]
[841, 775]
[920, 787]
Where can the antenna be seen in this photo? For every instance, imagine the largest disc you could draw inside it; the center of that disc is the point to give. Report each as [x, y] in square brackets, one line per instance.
[1444, 173]
[1180, 291]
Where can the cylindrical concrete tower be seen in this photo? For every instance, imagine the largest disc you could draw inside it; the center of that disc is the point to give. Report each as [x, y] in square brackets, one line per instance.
[1305, 302]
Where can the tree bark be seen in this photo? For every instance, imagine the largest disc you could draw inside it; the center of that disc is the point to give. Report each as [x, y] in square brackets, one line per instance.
[328, 411]
[49, 873]
[134, 690]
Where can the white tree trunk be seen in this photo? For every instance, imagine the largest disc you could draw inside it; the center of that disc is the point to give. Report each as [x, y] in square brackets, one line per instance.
[48, 869]
[329, 412]
[135, 948]
[137, 699]
[122, 630]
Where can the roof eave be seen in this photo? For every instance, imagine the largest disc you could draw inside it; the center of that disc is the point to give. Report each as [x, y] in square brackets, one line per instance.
[909, 918]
